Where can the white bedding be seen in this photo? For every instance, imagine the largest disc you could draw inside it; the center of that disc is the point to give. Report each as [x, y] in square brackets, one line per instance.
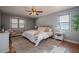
[35, 36]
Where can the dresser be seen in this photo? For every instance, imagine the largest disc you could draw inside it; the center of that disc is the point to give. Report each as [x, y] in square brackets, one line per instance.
[4, 42]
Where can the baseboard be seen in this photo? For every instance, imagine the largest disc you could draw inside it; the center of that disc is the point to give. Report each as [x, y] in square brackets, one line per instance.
[71, 41]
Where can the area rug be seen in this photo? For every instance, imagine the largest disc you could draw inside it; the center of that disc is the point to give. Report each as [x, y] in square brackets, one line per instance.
[22, 45]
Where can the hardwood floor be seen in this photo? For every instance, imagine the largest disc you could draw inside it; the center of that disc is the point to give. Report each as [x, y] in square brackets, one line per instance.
[13, 50]
[71, 47]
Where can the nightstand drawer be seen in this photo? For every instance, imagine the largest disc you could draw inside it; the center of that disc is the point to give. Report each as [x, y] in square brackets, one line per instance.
[58, 37]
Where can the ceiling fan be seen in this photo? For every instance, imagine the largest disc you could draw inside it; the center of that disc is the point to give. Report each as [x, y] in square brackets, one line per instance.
[34, 11]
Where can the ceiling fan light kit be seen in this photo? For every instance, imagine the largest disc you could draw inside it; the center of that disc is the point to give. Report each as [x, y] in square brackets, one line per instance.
[34, 11]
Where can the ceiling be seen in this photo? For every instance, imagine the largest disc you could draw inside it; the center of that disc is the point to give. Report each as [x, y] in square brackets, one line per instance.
[20, 10]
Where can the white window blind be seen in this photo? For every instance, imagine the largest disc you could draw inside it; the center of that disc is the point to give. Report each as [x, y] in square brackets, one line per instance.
[21, 23]
[64, 22]
[17, 23]
[14, 23]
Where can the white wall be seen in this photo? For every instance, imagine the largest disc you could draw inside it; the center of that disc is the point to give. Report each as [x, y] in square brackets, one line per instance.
[6, 21]
[51, 19]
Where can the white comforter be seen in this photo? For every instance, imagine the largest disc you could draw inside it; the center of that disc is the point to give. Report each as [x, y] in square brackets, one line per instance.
[35, 36]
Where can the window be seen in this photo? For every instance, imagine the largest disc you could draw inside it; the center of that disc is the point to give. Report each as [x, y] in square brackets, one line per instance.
[14, 23]
[64, 22]
[21, 23]
[17, 23]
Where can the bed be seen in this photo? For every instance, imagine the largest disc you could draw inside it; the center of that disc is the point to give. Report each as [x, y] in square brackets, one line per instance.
[36, 36]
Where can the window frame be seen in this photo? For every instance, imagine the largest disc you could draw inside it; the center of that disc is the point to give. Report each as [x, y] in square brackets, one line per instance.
[69, 30]
[14, 23]
[18, 24]
[21, 23]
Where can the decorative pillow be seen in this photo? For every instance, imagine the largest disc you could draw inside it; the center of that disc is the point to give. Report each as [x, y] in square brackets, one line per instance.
[46, 29]
[41, 29]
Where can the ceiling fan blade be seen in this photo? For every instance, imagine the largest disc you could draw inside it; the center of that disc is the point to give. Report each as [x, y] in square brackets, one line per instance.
[28, 10]
[37, 14]
[30, 13]
[39, 11]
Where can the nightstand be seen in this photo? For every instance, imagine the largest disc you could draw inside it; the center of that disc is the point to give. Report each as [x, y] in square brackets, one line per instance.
[59, 36]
